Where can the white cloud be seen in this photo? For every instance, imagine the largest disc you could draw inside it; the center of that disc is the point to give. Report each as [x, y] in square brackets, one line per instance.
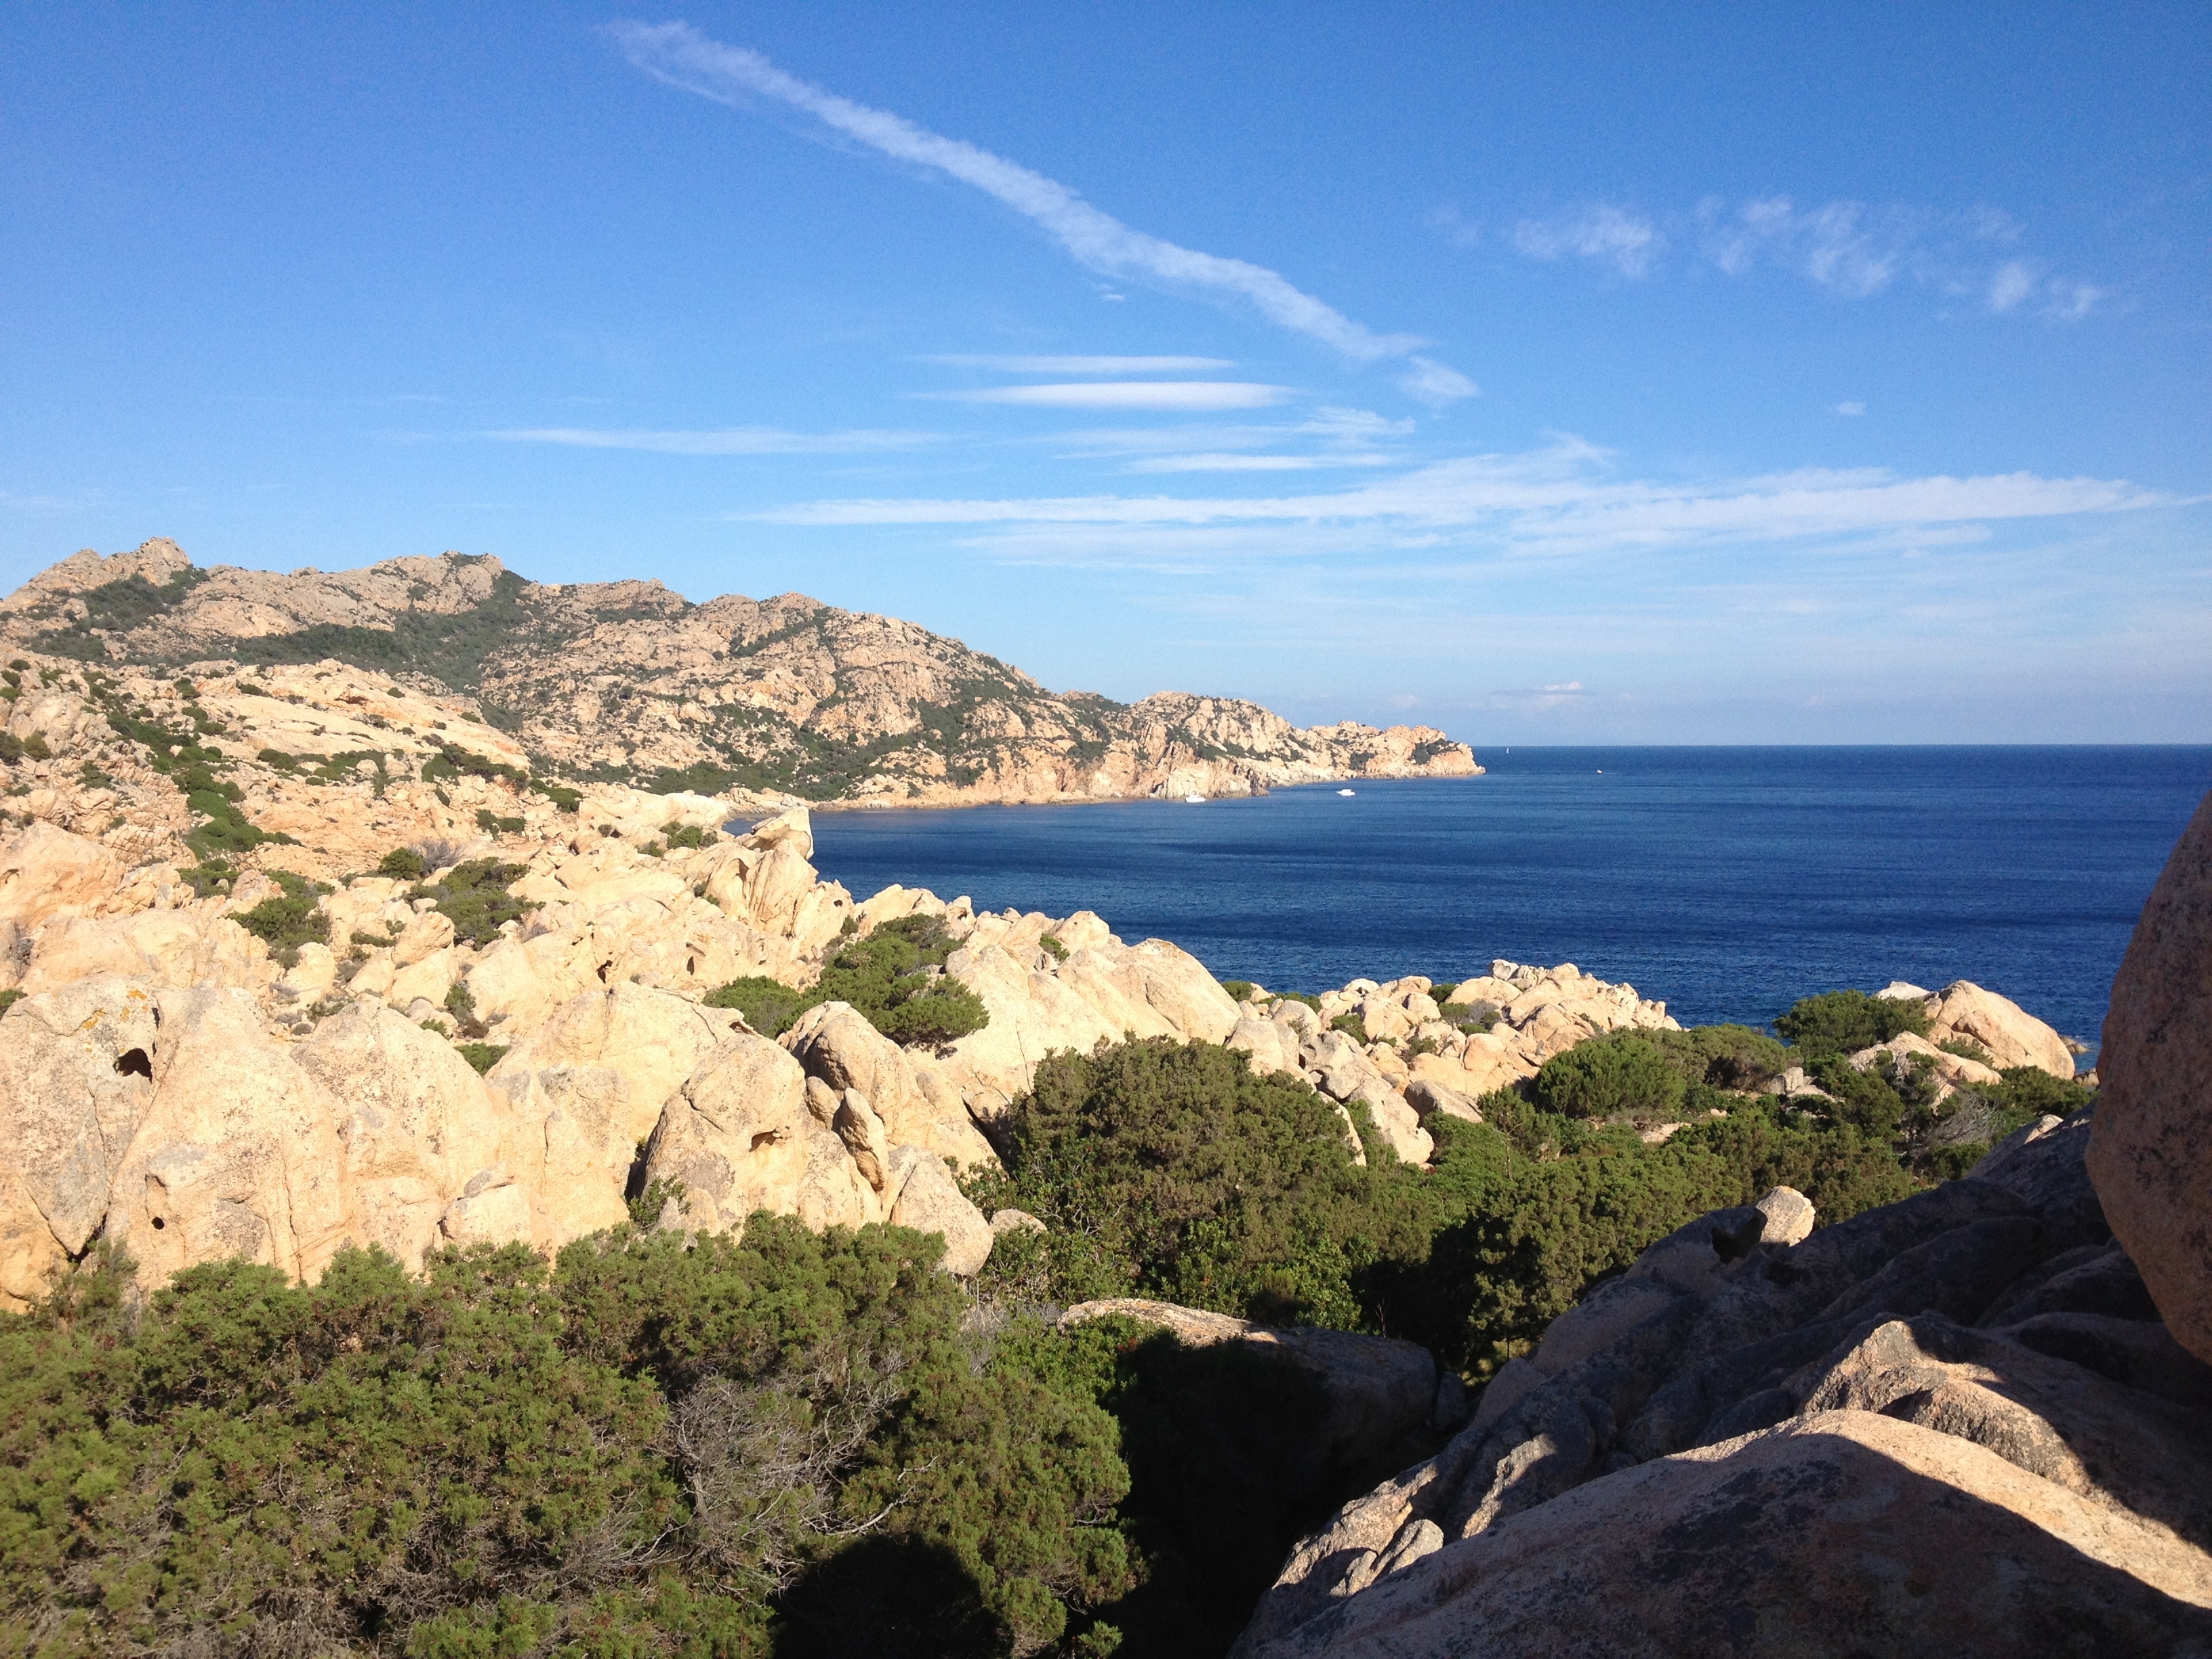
[1079, 365]
[1627, 241]
[1844, 246]
[726, 440]
[1218, 462]
[1431, 383]
[1174, 395]
[1851, 406]
[2013, 284]
[681, 55]
[1557, 500]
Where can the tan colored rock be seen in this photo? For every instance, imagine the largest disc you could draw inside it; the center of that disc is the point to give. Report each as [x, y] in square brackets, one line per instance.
[425, 936]
[834, 1043]
[426, 980]
[1844, 1526]
[239, 1153]
[928, 1199]
[2012, 1035]
[1274, 1045]
[47, 871]
[653, 1040]
[76, 1083]
[736, 1133]
[417, 1125]
[174, 947]
[1790, 1217]
[1901, 1052]
[1428, 1098]
[2150, 1148]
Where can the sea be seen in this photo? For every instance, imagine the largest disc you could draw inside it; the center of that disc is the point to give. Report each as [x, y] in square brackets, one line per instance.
[1728, 882]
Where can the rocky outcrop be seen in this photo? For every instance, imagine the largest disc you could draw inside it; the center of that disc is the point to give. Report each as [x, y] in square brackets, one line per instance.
[1745, 1354]
[1841, 1531]
[2151, 1153]
[628, 677]
[1962, 1011]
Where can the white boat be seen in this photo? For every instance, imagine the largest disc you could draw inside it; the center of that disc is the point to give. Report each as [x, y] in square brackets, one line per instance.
[1193, 800]
[1347, 791]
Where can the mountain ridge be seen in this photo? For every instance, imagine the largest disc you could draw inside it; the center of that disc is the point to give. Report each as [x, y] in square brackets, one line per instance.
[629, 682]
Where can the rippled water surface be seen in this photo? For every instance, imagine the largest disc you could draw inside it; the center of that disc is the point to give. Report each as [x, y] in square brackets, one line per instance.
[1727, 881]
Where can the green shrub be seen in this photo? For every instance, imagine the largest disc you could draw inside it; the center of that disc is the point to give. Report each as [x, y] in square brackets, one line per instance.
[482, 1055]
[1967, 1048]
[1352, 1026]
[887, 976]
[677, 835]
[289, 920]
[8, 998]
[492, 824]
[1616, 1075]
[769, 1006]
[1845, 1022]
[1238, 989]
[474, 896]
[403, 864]
[654, 1447]
[1171, 1170]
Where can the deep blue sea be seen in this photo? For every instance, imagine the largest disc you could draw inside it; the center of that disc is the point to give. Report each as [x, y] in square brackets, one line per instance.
[1728, 881]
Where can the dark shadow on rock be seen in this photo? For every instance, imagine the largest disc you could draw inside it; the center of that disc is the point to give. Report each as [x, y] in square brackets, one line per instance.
[1219, 1442]
[887, 1598]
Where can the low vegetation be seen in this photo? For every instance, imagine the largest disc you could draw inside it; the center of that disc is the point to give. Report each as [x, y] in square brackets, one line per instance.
[894, 975]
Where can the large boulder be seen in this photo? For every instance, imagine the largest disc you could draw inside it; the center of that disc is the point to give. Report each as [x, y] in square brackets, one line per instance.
[76, 1079]
[1844, 1531]
[651, 1040]
[46, 871]
[419, 1126]
[2150, 1151]
[924, 1196]
[1962, 1011]
[735, 1135]
[834, 1043]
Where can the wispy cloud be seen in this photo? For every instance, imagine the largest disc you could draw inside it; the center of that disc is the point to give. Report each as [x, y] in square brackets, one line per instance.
[681, 55]
[725, 441]
[1851, 406]
[1627, 241]
[1186, 396]
[1217, 461]
[1853, 250]
[1558, 500]
[1078, 365]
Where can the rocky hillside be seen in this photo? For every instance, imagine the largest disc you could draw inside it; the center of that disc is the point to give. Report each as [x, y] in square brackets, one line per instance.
[628, 682]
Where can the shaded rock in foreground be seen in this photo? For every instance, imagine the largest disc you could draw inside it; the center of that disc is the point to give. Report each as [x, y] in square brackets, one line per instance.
[2151, 1152]
[1844, 1531]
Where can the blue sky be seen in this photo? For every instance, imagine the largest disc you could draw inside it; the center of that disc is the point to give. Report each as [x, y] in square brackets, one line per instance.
[1557, 373]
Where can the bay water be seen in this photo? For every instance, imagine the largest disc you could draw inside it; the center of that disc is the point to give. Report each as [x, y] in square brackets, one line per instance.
[1727, 881]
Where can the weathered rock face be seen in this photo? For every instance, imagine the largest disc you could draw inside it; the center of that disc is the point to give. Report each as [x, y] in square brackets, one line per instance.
[2013, 1036]
[1837, 1419]
[630, 676]
[1839, 1531]
[2151, 1149]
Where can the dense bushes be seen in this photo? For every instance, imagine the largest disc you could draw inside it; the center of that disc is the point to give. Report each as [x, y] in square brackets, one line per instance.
[648, 1449]
[1845, 1022]
[894, 975]
[1169, 1171]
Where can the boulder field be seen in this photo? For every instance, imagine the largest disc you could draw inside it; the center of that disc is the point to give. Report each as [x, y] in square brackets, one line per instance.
[1978, 1421]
